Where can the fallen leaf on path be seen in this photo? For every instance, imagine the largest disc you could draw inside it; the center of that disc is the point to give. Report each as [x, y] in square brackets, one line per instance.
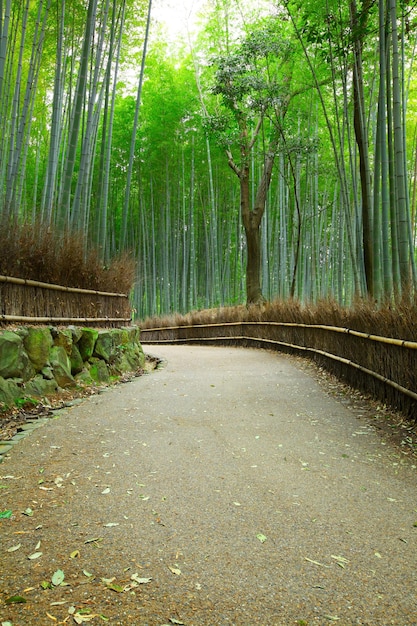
[93, 540]
[15, 600]
[35, 555]
[5, 514]
[140, 581]
[174, 570]
[111, 524]
[14, 548]
[45, 584]
[107, 490]
[315, 562]
[52, 617]
[75, 554]
[341, 561]
[28, 512]
[81, 619]
[116, 588]
[261, 537]
[58, 578]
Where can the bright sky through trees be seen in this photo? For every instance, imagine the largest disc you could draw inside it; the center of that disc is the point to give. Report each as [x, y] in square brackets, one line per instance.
[176, 17]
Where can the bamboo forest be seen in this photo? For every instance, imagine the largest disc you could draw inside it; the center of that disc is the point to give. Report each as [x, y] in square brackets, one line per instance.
[266, 150]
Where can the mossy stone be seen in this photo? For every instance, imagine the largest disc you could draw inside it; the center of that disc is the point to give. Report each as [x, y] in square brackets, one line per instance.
[14, 361]
[40, 387]
[64, 338]
[84, 377]
[99, 371]
[133, 333]
[104, 346]
[87, 342]
[37, 343]
[9, 391]
[61, 367]
[77, 363]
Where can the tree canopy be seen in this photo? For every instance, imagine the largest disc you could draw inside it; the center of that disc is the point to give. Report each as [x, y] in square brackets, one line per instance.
[269, 153]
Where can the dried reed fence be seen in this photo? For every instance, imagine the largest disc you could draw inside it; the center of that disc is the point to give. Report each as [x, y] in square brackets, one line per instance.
[32, 302]
[384, 367]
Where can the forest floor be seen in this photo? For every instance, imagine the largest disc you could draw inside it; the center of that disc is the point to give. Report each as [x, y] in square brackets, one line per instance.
[230, 486]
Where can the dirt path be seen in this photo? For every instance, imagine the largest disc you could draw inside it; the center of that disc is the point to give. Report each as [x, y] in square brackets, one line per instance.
[225, 488]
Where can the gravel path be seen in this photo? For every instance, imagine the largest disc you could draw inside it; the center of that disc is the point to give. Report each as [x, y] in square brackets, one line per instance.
[224, 488]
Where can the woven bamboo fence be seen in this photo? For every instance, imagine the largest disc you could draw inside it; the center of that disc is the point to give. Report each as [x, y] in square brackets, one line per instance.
[384, 367]
[32, 302]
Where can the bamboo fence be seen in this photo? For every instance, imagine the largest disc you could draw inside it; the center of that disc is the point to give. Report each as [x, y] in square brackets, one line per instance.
[33, 302]
[381, 366]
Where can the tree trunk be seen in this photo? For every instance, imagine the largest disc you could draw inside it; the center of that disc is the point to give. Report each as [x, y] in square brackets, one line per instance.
[253, 264]
[125, 211]
[361, 135]
[252, 221]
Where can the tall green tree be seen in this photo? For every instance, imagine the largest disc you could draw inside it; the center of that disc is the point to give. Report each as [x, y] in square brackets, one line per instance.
[253, 82]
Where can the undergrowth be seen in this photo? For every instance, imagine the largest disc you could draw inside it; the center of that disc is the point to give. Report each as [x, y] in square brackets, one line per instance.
[42, 253]
[398, 322]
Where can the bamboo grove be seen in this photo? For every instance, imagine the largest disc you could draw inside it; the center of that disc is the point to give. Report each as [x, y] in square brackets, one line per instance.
[270, 153]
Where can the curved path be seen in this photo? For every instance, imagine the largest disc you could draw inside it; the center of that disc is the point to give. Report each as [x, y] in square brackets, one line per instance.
[224, 488]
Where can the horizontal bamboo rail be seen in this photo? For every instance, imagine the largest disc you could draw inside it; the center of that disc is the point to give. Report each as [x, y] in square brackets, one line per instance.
[63, 320]
[337, 329]
[194, 333]
[52, 287]
[29, 301]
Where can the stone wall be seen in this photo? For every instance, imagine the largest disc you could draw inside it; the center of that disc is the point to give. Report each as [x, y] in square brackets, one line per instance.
[38, 362]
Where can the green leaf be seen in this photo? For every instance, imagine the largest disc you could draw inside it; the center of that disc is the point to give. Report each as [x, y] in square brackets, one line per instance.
[116, 588]
[28, 512]
[261, 537]
[45, 584]
[58, 578]
[5, 514]
[16, 600]
[34, 556]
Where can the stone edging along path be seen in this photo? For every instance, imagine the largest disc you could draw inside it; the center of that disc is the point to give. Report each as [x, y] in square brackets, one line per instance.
[29, 426]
